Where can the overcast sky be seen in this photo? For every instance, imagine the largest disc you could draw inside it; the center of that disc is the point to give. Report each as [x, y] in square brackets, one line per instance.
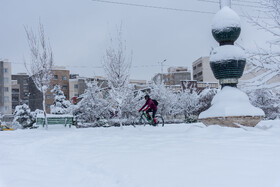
[79, 32]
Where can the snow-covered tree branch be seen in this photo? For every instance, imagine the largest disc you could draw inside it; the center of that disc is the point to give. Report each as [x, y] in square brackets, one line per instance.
[117, 65]
[41, 61]
[60, 104]
[265, 62]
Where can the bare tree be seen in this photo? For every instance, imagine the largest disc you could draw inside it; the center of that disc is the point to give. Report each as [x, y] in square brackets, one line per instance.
[265, 62]
[41, 62]
[117, 65]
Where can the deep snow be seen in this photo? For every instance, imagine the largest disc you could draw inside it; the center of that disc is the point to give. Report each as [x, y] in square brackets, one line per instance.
[179, 155]
[231, 101]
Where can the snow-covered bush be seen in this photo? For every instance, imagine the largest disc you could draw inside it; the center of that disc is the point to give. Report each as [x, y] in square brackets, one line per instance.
[191, 119]
[132, 104]
[205, 98]
[23, 116]
[165, 98]
[188, 103]
[93, 106]
[60, 104]
[267, 100]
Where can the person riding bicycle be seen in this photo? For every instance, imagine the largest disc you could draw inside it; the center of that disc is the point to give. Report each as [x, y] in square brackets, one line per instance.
[151, 107]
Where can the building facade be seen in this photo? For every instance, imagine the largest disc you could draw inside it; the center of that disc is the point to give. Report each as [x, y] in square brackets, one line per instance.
[78, 85]
[23, 82]
[202, 71]
[5, 87]
[61, 78]
[174, 76]
[35, 96]
[15, 94]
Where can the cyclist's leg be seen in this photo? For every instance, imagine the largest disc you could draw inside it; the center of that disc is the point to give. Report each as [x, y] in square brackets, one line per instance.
[154, 116]
[147, 112]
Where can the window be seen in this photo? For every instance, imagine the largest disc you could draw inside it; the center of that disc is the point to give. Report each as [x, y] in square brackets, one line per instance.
[199, 74]
[6, 89]
[6, 99]
[199, 65]
[48, 106]
[55, 77]
[15, 99]
[25, 87]
[25, 81]
[6, 80]
[194, 76]
[76, 95]
[194, 68]
[64, 78]
[48, 96]
[64, 87]
[15, 91]
[6, 70]
[76, 86]
[6, 108]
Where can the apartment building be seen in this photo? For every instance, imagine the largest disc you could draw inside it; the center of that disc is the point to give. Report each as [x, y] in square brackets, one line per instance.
[22, 80]
[15, 94]
[61, 78]
[5, 87]
[138, 84]
[174, 76]
[202, 71]
[78, 85]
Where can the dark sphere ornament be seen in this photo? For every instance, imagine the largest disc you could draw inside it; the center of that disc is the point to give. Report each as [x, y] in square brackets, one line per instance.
[228, 68]
[226, 36]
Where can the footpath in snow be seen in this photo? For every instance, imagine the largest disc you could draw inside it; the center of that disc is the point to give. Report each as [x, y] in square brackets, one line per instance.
[178, 155]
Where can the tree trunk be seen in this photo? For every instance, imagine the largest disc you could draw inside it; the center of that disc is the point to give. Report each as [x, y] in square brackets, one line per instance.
[44, 108]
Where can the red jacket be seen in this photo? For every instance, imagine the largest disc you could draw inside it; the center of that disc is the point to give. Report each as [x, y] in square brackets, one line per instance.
[150, 103]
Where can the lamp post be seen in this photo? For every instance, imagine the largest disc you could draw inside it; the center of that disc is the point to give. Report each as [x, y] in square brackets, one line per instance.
[161, 64]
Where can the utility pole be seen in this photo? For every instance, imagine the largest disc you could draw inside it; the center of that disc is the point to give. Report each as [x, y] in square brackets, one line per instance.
[225, 3]
[161, 64]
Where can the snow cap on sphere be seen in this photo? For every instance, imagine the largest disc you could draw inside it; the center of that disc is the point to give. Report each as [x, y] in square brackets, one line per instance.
[225, 18]
[227, 52]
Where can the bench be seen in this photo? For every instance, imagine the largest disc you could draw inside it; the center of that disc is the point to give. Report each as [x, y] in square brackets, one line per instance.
[55, 119]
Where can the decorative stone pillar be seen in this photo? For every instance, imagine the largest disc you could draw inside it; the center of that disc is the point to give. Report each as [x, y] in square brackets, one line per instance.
[230, 107]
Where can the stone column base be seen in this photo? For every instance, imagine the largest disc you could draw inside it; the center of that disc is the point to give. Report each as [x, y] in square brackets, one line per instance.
[231, 121]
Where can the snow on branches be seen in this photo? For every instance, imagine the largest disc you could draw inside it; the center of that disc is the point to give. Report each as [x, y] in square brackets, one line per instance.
[93, 106]
[41, 62]
[23, 116]
[60, 104]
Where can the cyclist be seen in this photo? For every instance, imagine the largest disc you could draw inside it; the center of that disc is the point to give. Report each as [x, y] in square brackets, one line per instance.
[151, 107]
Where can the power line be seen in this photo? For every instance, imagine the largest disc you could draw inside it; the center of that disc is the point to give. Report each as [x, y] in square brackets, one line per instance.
[154, 7]
[246, 1]
[168, 8]
[235, 4]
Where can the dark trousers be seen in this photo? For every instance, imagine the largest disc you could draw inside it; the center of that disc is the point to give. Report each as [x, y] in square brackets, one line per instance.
[151, 110]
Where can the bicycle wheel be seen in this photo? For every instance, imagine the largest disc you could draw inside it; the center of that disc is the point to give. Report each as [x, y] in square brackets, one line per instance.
[160, 120]
[142, 120]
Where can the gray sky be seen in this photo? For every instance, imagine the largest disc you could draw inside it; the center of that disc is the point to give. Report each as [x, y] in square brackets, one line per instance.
[79, 32]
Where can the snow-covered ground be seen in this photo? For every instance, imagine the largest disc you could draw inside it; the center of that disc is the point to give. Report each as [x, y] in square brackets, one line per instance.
[179, 155]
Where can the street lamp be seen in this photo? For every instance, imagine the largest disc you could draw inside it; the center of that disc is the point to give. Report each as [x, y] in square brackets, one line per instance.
[161, 64]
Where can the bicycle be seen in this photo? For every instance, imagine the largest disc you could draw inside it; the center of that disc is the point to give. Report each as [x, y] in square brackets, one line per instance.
[144, 119]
